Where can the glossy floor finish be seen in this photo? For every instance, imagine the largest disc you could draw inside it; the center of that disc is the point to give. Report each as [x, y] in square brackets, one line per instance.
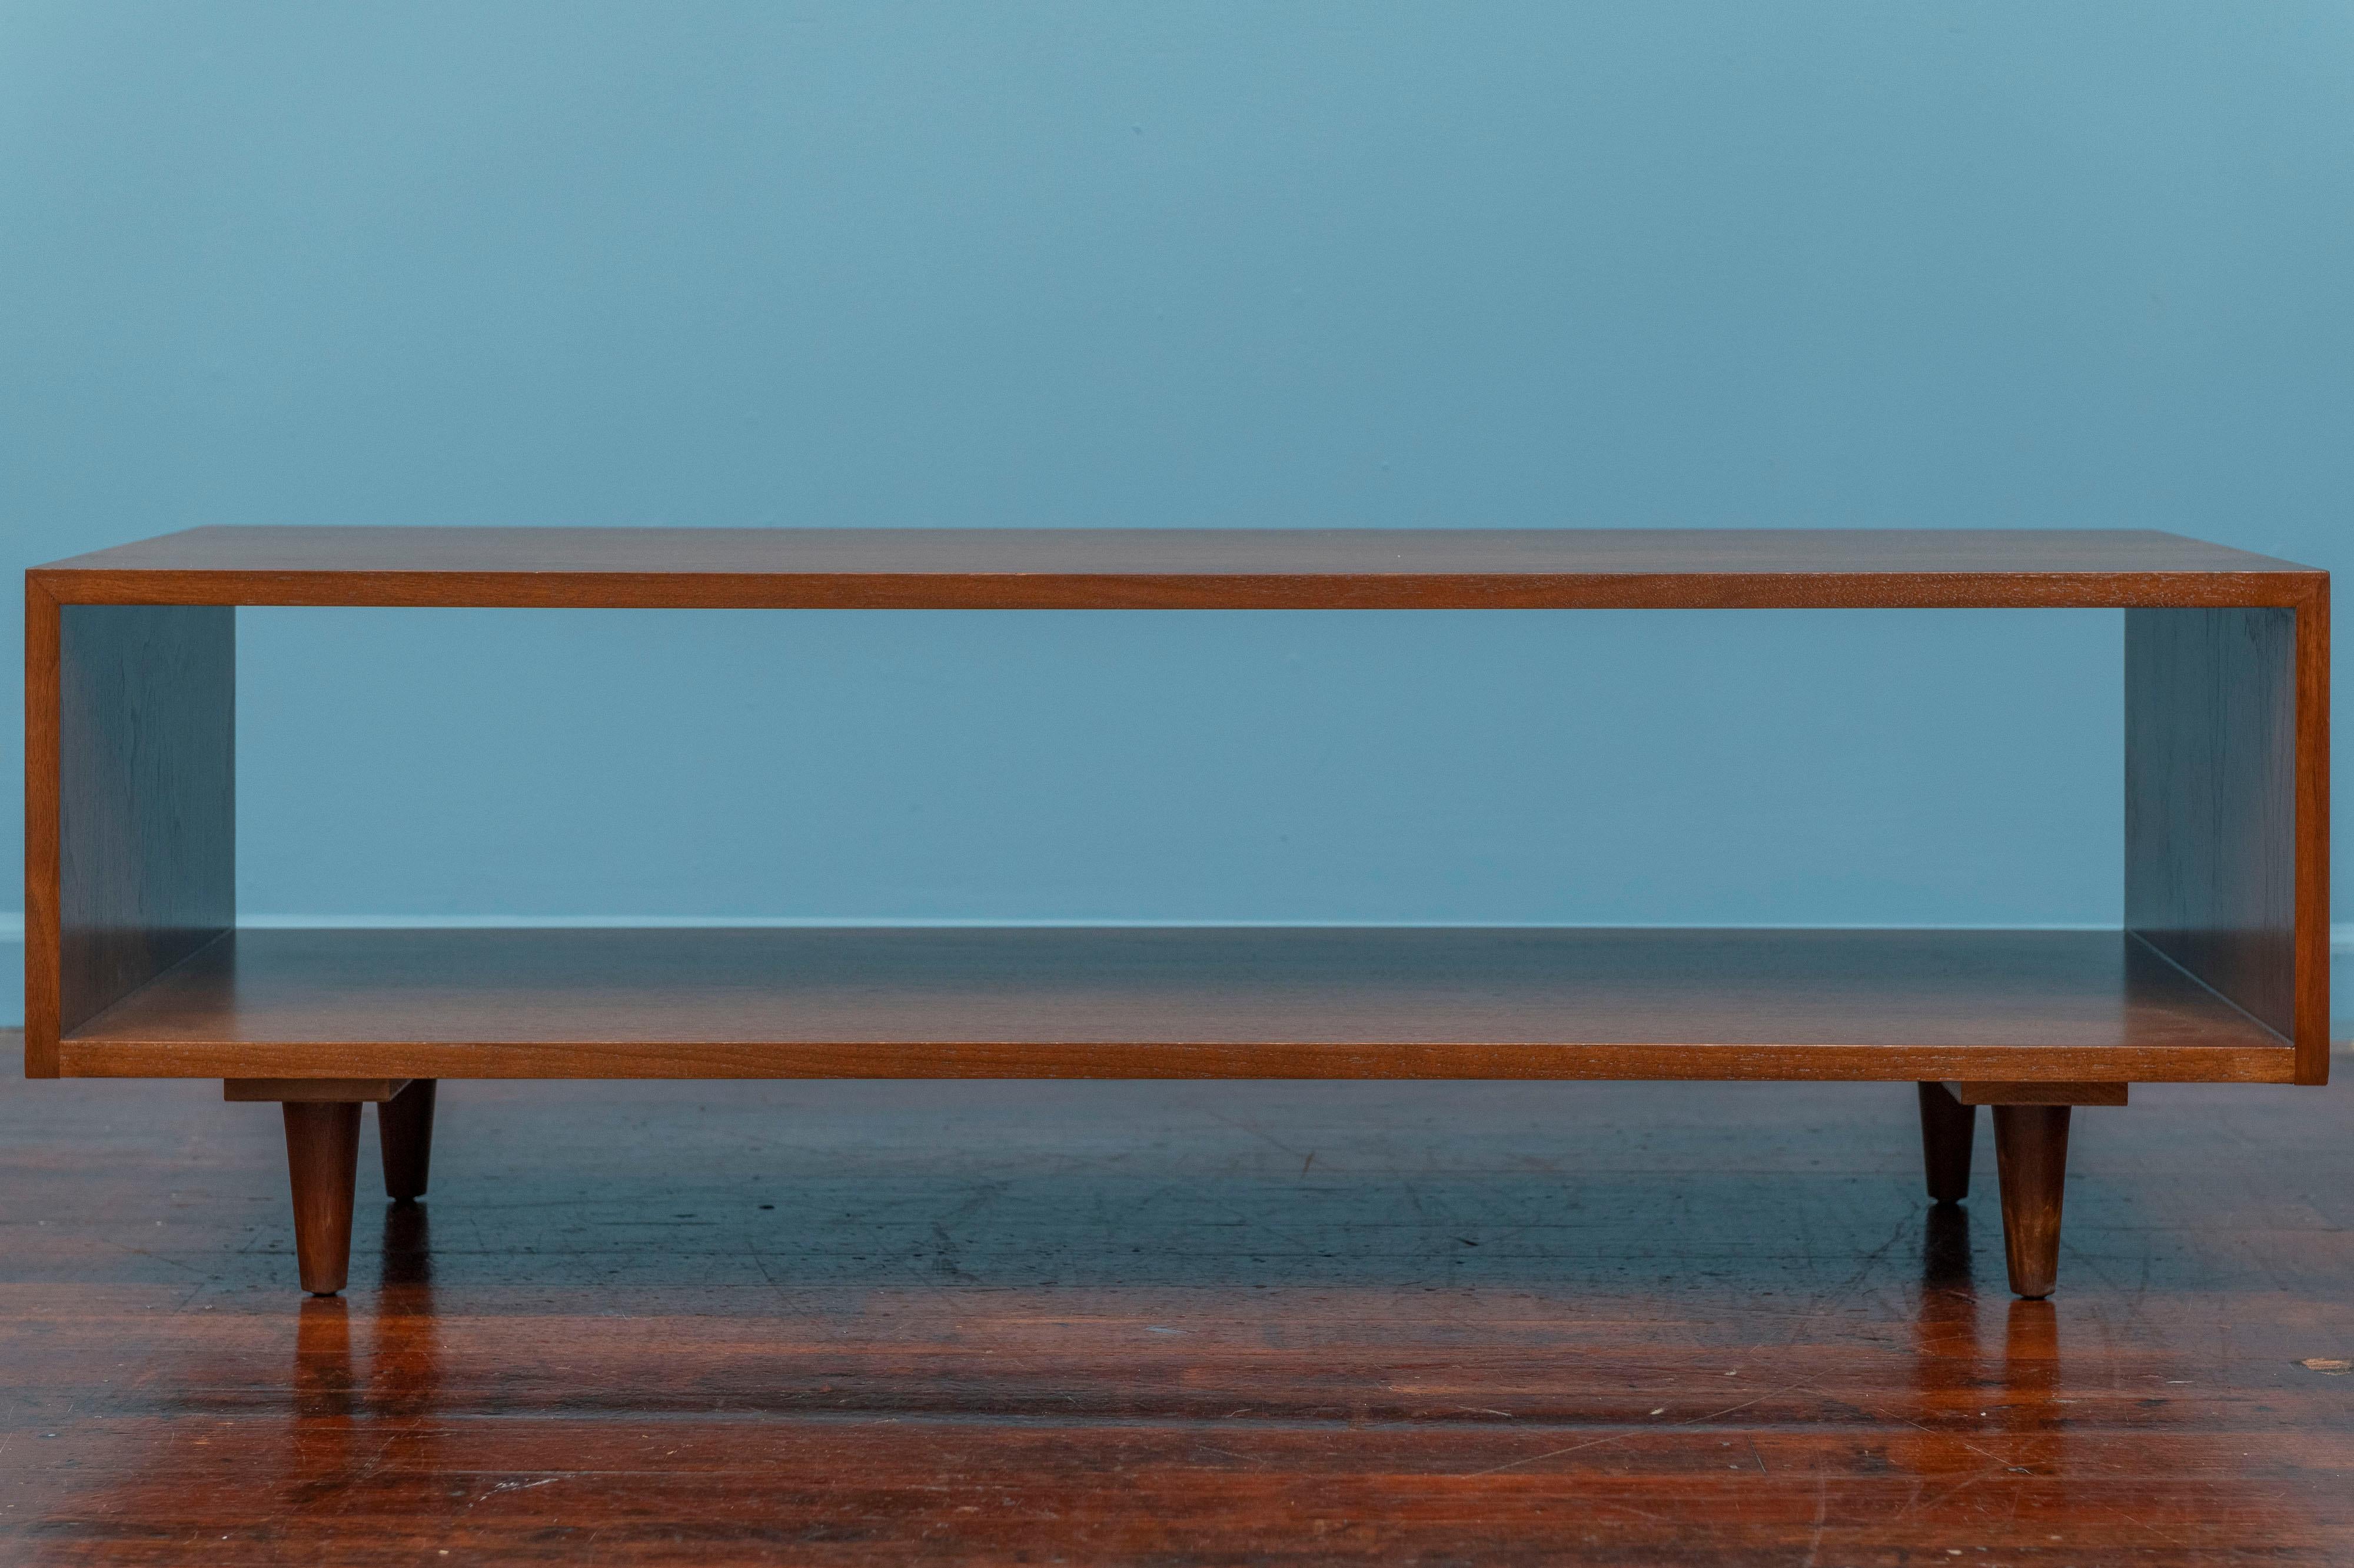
[1171, 1322]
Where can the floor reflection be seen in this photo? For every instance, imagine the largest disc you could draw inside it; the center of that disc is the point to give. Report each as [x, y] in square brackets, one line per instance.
[401, 1371]
[2032, 1411]
[324, 1443]
[1945, 1249]
[408, 1371]
[1981, 1397]
[324, 1385]
[1945, 1326]
[408, 1247]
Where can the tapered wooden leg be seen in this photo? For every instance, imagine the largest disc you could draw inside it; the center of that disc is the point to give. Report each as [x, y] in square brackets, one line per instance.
[322, 1156]
[1948, 1128]
[404, 1127]
[2030, 1151]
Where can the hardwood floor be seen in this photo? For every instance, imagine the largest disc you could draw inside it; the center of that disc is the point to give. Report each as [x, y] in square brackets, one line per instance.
[1174, 1323]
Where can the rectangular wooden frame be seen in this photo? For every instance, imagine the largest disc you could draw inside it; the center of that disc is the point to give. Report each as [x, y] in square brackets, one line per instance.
[133, 965]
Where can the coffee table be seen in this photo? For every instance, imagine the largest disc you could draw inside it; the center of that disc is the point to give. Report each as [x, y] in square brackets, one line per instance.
[136, 966]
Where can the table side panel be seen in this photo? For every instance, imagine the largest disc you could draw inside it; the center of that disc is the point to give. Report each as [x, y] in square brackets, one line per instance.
[2224, 872]
[2313, 909]
[132, 737]
[41, 651]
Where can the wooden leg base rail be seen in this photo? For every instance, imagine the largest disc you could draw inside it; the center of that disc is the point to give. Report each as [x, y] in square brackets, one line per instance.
[2055, 1093]
[324, 1091]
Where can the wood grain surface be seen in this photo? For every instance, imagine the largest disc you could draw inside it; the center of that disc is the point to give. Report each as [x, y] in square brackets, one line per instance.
[843, 1324]
[1178, 1002]
[2031, 1148]
[1149, 568]
[323, 1145]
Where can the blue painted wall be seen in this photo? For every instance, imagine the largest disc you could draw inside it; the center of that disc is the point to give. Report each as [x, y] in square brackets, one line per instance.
[1849, 264]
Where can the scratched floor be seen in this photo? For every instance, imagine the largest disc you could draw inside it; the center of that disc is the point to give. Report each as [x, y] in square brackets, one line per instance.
[1138, 1323]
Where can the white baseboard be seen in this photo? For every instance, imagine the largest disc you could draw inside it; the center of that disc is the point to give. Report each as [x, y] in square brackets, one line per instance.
[12, 972]
[11, 939]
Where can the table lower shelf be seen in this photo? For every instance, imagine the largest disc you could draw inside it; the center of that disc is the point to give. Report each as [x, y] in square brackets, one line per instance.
[1178, 1002]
